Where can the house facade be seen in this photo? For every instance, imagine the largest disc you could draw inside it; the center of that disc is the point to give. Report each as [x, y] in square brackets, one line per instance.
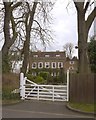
[71, 64]
[51, 62]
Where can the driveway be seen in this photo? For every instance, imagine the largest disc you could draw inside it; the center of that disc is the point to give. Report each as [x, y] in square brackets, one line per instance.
[40, 109]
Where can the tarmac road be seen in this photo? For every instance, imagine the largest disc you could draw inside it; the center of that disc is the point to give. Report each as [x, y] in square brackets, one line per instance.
[40, 109]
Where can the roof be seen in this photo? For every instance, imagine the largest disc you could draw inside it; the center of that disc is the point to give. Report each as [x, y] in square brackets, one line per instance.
[51, 54]
[73, 59]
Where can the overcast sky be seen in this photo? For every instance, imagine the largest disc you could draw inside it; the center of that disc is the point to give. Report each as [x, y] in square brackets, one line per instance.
[64, 25]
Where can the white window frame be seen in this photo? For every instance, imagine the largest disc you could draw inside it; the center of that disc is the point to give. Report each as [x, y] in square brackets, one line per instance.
[35, 65]
[47, 63]
[52, 64]
[58, 55]
[71, 62]
[46, 55]
[58, 73]
[18, 53]
[39, 65]
[59, 64]
[13, 53]
[53, 74]
[34, 73]
[71, 68]
[35, 55]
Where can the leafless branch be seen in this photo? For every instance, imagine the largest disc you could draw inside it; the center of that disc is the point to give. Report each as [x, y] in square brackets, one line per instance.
[86, 6]
[90, 19]
[16, 5]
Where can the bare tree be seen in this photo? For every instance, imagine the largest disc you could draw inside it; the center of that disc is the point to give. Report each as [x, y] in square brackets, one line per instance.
[33, 23]
[83, 30]
[18, 27]
[69, 49]
[9, 35]
[28, 24]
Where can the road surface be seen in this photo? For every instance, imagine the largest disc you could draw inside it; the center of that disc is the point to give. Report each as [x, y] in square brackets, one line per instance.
[40, 109]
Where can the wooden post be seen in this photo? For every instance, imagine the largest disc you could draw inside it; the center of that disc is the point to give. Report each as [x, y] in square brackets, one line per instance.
[67, 85]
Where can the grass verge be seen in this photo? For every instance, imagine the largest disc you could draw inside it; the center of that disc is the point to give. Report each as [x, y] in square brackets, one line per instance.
[83, 107]
[8, 102]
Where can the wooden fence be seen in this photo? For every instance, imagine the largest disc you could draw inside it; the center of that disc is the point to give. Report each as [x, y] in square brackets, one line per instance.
[81, 88]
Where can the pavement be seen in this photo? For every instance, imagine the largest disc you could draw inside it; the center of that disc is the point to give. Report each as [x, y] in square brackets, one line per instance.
[40, 109]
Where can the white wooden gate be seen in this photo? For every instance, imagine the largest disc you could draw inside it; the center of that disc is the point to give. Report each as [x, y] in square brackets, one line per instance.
[31, 90]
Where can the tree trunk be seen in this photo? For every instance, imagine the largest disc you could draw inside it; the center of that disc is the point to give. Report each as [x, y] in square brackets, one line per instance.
[7, 36]
[26, 53]
[83, 65]
[6, 45]
[28, 26]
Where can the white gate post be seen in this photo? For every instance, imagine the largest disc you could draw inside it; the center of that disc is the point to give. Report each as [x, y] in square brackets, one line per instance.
[22, 87]
[67, 85]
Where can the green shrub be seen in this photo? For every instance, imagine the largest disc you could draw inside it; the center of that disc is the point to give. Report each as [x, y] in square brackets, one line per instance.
[8, 95]
[44, 75]
[30, 77]
[39, 80]
[56, 80]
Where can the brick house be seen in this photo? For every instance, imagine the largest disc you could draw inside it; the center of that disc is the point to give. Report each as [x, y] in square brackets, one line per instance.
[52, 62]
[71, 64]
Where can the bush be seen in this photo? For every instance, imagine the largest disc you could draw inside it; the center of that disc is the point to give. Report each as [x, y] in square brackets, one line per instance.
[30, 77]
[37, 79]
[7, 95]
[44, 75]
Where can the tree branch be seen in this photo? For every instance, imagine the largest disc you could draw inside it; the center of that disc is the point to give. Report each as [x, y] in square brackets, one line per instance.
[19, 17]
[13, 28]
[20, 22]
[32, 14]
[86, 6]
[13, 23]
[38, 23]
[28, 6]
[16, 5]
[90, 19]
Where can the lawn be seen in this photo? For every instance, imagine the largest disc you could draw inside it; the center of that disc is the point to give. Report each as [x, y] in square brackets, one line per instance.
[83, 107]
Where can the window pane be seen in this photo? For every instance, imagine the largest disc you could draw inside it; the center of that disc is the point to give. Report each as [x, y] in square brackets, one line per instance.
[35, 56]
[40, 65]
[47, 65]
[53, 64]
[60, 64]
[57, 55]
[34, 65]
[46, 55]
